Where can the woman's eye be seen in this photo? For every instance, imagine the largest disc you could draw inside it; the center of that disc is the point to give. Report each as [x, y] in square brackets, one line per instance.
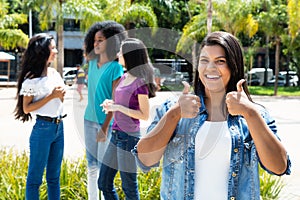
[203, 61]
[220, 62]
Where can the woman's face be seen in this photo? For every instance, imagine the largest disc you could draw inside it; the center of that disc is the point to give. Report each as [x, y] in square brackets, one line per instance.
[213, 70]
[53, 51]
[99, 43]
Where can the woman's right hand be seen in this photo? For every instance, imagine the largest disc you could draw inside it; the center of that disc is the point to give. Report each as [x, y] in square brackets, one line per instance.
[59, 92]
[108, 105]
[189, 103]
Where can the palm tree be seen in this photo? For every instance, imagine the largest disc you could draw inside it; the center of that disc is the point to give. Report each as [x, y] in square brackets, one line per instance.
[272, 22]
[123, 11]
[291, 40]
[11, 36]
[87, 11]
[235, 16]
[131, 14]
[57, 10]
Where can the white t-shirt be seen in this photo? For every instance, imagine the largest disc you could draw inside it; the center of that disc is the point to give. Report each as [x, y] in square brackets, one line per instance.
[41, 87]
[212, 161]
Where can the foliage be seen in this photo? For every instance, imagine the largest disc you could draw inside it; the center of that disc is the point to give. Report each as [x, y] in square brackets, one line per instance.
[240, 18]
[86, 9]
[270, 186]
[73, 179]
[14, 171]
[293, 10]
[11, 36]
[13, 174]
[148, 184]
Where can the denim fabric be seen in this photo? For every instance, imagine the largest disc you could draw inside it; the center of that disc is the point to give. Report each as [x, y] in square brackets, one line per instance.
[46, 150]
[179, 157]
[118, 157]
[94, 155]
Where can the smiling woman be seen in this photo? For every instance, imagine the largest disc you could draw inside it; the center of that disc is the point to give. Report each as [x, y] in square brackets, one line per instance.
[220, 122]
[41, 93]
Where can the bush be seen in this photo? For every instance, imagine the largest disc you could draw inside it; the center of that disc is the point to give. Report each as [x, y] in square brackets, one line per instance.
[73, 180]
[270, 186]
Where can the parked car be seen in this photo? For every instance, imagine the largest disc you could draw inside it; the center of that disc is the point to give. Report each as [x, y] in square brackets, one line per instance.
[3, 78]
[176, 79]
[69, 75]
[282, 81]
[294, 79]
[253, 79]
[260, 73]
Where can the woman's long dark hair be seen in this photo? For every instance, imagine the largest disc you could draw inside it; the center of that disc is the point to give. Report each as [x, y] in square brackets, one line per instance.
[34, 62]
[234, 57]
[137, 62]
[113, 32]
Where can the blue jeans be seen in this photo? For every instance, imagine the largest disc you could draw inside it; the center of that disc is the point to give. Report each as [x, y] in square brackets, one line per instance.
[94, 155]
[118, 157]
[46, 145]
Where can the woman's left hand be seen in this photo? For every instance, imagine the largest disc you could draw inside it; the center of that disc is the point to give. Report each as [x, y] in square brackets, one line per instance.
[237, 101]
[109, 106]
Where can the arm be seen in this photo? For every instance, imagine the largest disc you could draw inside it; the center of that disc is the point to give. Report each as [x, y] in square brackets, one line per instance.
[29, 106]
[151, 147]
[271, 152]
[101, 137]
[142, 113]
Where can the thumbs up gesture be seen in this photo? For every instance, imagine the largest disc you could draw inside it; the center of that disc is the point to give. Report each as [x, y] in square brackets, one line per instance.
[189, 104]
[238, 102]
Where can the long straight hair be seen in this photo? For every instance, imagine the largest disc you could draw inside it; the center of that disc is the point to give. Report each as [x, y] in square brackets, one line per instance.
[34, 62]
[137, 62]
[234, 57]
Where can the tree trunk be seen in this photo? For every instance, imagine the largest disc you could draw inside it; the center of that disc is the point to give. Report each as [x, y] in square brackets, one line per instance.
[277, 56]
[209, 16]
[267, 60]
[60, 45]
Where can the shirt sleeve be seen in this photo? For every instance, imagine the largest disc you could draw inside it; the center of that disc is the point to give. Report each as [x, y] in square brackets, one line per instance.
[142, 88]
[31, 87]
[117, 71]
[143, 167]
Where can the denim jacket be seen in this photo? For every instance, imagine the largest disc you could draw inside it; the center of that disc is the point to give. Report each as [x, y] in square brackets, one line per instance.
[179, 157]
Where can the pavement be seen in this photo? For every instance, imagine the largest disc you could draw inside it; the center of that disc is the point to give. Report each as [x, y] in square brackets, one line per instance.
[15, 134]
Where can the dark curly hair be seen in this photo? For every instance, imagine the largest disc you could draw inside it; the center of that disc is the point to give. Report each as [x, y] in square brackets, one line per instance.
[113, 32]
[34, 62]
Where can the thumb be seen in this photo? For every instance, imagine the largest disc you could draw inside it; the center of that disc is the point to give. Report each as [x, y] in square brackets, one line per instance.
[239, 85]
[186, 88]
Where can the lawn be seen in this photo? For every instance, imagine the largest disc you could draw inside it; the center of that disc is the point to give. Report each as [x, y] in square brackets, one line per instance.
[255, 90]
[269, 91]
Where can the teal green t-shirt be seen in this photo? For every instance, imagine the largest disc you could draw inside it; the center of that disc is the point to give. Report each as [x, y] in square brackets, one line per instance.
[100, 82]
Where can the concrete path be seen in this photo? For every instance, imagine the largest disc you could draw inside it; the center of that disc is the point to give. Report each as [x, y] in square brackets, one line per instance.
[15, 134]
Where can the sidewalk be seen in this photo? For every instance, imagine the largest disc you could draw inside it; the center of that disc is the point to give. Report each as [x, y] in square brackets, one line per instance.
[286, 112]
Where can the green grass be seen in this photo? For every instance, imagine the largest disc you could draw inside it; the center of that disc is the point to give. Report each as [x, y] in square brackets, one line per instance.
[269, 91]
[254, 90]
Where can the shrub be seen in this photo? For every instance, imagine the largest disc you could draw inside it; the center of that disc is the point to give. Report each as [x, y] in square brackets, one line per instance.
[73, 180]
